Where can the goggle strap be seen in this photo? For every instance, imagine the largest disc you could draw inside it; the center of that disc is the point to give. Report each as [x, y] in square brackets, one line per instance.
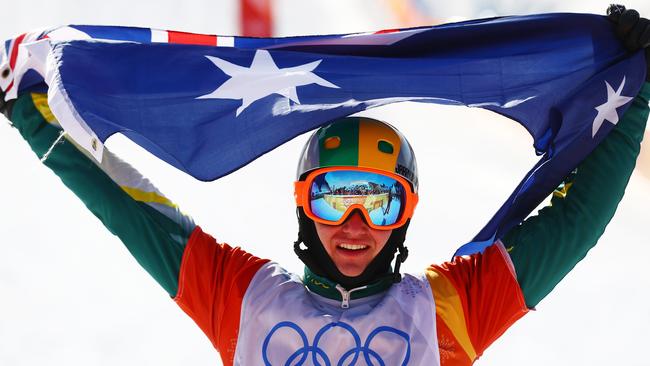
[299, 192]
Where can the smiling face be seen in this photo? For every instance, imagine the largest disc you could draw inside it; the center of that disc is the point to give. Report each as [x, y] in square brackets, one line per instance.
[353, 244]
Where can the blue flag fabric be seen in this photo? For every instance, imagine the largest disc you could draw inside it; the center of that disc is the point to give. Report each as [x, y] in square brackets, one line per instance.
[210, 110]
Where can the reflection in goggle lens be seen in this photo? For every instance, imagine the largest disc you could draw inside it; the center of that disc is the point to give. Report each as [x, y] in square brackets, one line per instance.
[332, 193]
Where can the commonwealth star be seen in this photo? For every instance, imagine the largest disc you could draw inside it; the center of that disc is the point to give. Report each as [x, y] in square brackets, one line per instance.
[262, 79]
[607, 111]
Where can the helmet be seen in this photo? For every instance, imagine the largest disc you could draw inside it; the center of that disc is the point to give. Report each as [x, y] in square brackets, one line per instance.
[359, 142]
[355, 142]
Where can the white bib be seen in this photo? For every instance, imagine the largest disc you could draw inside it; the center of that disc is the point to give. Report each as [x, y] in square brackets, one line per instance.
[284, 324]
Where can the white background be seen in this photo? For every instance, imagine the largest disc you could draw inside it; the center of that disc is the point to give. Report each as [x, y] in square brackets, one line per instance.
[71, 294]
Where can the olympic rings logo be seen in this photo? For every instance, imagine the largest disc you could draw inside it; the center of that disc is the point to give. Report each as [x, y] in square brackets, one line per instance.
[319, 356]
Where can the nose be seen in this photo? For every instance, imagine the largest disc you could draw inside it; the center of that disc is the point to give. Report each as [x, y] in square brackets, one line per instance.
[355, 223]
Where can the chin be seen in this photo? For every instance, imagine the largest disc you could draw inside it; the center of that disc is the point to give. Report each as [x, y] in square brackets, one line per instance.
[351, 272]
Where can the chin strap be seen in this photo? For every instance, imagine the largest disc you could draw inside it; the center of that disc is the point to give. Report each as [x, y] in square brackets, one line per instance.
[402, 254]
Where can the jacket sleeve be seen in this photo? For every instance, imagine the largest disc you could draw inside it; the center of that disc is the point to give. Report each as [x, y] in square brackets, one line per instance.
[213, 281]
[477, 299]
[545, 247]
[152, 228]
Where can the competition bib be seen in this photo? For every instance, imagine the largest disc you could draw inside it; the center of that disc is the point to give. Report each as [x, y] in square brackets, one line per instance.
[283, 324]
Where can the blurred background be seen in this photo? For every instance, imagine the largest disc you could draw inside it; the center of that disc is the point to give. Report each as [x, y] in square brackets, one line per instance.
[72, 295]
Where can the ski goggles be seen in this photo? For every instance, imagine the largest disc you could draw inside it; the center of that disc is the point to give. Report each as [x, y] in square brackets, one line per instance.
[330, 195]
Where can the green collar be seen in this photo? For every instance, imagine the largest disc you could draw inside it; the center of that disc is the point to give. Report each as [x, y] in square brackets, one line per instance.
[327, 288]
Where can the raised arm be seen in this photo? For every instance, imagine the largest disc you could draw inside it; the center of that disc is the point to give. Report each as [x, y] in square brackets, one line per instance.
[151, 226]
[207, 279]
[545, 247]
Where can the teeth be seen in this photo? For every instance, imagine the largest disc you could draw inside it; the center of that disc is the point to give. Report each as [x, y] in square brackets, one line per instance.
[353, 246]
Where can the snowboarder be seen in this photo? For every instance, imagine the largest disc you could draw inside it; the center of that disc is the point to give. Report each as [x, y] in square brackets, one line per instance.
[352, 306]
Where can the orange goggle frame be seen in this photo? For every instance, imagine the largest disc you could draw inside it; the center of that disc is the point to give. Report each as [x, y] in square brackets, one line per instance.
[303, 189]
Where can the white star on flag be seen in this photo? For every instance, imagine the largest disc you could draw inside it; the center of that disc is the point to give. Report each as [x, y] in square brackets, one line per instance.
[262, 79]
[607, 111]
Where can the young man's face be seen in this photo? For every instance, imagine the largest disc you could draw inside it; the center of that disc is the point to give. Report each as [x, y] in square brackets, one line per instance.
[353, 244]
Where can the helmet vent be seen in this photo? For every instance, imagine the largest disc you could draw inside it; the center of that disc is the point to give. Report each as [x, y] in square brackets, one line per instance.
[385, 147]
[332, 143]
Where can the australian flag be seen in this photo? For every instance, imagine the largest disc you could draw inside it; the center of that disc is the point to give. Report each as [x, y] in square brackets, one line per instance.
[209, 105]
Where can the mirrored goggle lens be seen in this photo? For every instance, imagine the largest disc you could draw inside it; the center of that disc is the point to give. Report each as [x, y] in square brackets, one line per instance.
[332, 193]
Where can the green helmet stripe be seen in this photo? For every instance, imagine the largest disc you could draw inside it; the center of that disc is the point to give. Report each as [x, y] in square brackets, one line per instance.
[347, 153]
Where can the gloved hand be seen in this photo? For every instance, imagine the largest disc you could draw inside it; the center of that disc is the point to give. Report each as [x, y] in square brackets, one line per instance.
[632, 30]
[5, 107]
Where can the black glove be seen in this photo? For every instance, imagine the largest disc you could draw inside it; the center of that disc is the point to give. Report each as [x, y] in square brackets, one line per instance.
[632, 30]
[5, 107]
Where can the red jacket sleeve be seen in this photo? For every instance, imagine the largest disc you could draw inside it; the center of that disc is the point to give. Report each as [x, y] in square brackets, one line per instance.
[212, 283]
[477, 298]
